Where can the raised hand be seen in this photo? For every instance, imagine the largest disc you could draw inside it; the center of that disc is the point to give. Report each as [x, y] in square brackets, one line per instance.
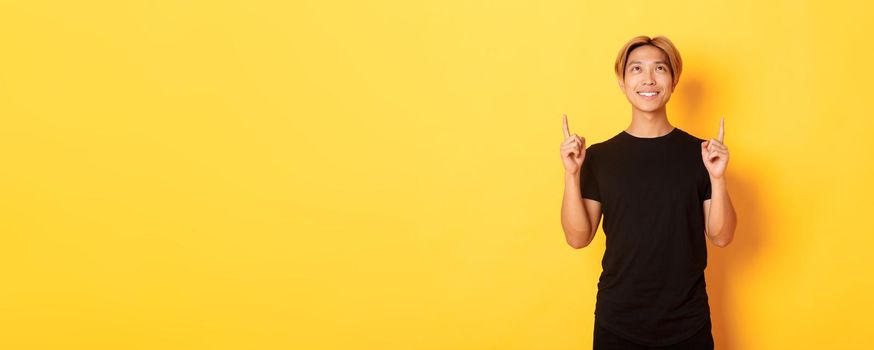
[715, 154]
[573, 149]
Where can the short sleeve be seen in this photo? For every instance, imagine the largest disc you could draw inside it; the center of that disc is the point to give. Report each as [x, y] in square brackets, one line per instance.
[705, 193]
[588, 177]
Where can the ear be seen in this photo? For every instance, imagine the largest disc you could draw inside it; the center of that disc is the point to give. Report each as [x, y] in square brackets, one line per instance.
[621, 84]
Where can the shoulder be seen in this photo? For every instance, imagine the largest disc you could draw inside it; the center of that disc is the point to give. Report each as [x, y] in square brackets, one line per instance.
[691, 146]
[608, 149]
[595, 150]
[605, 145]
[684, 136]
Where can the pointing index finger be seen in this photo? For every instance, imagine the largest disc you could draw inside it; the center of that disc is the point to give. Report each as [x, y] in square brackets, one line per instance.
[567, 133]
[721, 129]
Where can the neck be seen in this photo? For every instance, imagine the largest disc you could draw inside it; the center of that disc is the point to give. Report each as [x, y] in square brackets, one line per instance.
[649, 124]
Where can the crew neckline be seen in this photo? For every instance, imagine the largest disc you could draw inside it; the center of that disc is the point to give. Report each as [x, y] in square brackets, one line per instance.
[673, 131]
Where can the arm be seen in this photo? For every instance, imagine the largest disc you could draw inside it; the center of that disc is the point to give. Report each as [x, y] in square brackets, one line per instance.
[580, 217]
[719, 216]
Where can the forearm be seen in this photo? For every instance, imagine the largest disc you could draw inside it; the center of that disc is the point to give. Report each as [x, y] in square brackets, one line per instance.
[574, 219]
[722, 218]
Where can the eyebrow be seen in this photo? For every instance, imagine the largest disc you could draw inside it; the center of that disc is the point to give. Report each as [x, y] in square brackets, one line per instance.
[662, 62]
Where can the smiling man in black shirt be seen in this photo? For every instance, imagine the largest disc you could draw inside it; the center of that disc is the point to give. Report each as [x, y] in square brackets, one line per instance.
[661, 191]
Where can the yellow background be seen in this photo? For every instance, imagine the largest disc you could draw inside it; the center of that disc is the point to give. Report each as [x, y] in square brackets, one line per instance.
[386, 175]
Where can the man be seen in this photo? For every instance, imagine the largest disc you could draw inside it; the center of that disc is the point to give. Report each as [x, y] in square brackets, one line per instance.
[661, 191]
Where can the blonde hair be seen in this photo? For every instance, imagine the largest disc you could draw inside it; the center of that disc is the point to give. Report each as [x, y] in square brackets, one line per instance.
[661, 42]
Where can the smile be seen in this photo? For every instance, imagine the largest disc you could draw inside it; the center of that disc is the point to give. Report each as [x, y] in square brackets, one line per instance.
[648, 94]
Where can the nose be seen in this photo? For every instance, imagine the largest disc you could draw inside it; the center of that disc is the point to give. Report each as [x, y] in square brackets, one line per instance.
[648, 79]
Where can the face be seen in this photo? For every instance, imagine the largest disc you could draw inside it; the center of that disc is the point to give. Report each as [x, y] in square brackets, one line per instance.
[648, 83]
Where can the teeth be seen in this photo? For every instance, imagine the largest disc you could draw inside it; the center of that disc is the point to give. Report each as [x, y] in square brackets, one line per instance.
[647, 93]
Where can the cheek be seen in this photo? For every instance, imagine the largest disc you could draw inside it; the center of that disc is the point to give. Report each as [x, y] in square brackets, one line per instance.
[667, 81]
[630, 86]
[668, 87]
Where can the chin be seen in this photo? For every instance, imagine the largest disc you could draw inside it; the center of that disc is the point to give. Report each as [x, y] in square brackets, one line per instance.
[649, 107]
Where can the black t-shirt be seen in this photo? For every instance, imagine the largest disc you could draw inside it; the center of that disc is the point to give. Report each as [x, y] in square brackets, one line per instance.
[652, 288]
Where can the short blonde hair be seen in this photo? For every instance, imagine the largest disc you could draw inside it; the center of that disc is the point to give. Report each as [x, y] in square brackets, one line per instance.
[660, 42]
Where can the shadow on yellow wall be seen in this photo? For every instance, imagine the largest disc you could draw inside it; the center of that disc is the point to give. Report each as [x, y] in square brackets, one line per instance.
[724, 263]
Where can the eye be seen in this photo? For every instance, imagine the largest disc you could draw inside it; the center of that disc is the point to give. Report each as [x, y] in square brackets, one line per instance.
[635, 68]
[661, 67]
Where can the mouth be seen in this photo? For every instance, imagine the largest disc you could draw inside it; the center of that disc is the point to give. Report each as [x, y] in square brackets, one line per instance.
[649, 95]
